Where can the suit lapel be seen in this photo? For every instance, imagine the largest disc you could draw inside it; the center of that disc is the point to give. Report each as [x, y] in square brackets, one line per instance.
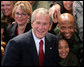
[34, 51]
[47, 43]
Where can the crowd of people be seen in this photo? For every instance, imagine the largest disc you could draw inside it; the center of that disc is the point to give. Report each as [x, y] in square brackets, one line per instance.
[41, 33]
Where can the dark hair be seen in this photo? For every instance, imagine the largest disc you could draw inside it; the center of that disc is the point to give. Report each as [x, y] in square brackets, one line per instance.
[63, 10]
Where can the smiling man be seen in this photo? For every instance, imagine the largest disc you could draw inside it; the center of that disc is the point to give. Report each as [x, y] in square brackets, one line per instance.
[34, 48]
[66, 25]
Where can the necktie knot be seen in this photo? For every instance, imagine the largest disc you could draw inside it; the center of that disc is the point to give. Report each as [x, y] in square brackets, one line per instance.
[41, 42]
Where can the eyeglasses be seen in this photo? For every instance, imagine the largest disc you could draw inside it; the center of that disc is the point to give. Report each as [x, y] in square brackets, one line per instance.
[23, 14]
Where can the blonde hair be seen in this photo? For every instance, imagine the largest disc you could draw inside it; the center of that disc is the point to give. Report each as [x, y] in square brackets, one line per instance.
[24, 5]
[52, 10]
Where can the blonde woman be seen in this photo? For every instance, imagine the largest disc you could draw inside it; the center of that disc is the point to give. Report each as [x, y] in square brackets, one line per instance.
[6, 9]
[21, 13]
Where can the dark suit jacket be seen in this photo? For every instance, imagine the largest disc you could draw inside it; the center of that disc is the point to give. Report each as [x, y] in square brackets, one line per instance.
[11, 31]
[21, 51]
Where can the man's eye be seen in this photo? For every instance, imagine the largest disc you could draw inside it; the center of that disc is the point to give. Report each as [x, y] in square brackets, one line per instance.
[45, 24]
[38, 22]
[63, 27]
[70, 27]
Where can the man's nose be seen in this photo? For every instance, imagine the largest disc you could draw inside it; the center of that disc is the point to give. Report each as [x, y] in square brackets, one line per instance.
[67, 30]
[40, 26]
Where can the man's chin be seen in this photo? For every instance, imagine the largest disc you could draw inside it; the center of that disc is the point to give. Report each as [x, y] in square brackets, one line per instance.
[67, 37]
[40, 36]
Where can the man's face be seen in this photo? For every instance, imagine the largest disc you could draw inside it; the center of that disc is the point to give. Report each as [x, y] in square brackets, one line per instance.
[67, 29]
[41, 25]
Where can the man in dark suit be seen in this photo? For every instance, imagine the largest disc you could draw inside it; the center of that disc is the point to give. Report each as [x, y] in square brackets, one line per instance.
[25, 50]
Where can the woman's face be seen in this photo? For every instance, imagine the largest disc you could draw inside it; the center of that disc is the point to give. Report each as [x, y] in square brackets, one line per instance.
[21, 17]
[63, 49]
[68, 5]
[6, 7]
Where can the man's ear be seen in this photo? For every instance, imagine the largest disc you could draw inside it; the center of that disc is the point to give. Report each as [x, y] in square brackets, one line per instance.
[31, 23]
[50, 27]
[58, 25]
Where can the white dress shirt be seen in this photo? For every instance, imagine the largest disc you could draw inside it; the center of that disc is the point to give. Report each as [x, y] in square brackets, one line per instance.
[37, 41]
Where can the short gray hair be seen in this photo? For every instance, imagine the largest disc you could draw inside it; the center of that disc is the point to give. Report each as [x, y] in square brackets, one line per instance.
[41, 11]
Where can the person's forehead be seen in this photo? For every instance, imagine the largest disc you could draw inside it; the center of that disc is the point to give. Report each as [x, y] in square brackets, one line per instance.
[63, 43]
[6, 2]
[62, 40]
[21, 9]
[42, 15]
[66, 22]
[42, 18]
